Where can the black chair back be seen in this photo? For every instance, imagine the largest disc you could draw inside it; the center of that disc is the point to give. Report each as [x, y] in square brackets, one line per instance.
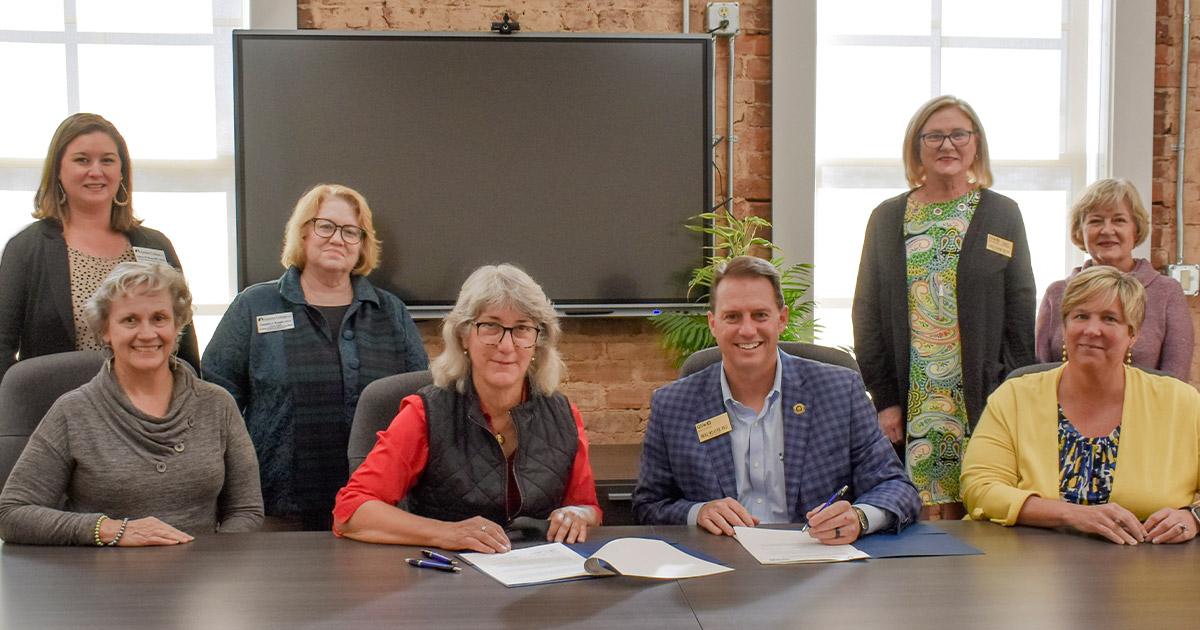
[704, 358]
[1042, 367]
[28, 390]
[377, 407]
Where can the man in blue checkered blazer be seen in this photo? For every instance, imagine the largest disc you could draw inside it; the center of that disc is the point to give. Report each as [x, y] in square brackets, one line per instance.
[765, 437]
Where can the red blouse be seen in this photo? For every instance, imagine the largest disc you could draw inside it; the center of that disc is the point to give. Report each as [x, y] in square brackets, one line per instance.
[401, 452]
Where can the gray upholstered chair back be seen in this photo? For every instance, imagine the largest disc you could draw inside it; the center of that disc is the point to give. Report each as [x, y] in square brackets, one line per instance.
[1042, 367]
[377, 407]
[812, 351]
[28, 390]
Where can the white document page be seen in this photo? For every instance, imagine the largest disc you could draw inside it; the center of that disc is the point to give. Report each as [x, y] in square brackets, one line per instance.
[646, 557]
[791, 546]
[531, 565]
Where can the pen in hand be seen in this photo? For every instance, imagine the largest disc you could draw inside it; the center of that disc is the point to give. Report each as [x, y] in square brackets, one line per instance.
[837, 495]
[431, 564]
[437, 557]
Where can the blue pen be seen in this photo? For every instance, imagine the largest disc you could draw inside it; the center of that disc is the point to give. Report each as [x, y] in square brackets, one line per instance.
[430, 564]
[836, 495]
[433, 555]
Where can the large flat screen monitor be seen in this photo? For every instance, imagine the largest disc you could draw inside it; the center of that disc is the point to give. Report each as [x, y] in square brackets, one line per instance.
[579, 158]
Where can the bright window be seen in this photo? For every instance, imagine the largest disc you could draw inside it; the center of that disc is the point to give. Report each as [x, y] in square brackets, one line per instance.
[1022, 64]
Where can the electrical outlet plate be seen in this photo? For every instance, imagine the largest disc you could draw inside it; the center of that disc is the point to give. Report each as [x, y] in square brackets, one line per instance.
[1188, 276]
[718, 12]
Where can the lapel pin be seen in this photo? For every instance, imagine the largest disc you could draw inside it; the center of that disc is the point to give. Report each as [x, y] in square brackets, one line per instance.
[798, 408]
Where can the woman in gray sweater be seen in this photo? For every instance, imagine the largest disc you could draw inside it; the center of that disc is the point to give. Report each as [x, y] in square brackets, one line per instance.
[145, 453]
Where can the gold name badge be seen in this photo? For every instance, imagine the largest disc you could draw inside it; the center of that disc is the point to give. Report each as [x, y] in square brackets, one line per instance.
[713, 427]
[1000, 246]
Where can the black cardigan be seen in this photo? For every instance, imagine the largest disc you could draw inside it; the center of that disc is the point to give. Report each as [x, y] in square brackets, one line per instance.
[996, 304]
[36, 315]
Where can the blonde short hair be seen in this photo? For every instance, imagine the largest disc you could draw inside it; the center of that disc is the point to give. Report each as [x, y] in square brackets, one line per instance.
[1108, 282]
[306, 210]
[50, 203]
[1103, 194]
[914, 171]
[129, 278]
[499, 286]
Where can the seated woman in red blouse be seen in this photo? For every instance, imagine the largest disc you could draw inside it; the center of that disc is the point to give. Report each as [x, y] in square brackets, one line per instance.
[491, 440]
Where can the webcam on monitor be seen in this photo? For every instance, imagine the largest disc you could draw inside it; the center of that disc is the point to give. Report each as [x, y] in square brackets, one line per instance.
[506, 27]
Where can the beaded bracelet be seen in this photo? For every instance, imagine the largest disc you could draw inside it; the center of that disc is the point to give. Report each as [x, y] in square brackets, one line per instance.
[96, 530]
[120, 533]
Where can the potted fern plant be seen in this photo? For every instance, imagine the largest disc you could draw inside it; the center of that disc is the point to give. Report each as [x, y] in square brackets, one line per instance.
[683, 334]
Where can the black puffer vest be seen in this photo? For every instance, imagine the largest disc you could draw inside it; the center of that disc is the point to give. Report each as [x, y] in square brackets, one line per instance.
[467, 475]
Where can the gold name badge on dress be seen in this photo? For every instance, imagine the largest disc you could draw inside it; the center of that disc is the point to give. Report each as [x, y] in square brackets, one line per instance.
[713, 427]
[275, 322]
[149, 255]
[999, 245]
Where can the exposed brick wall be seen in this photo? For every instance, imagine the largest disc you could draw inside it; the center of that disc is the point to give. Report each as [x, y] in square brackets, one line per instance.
[1168, 40]
[613, 364]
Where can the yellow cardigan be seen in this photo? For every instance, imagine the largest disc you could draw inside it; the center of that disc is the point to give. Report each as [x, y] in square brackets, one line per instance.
[1013, 452]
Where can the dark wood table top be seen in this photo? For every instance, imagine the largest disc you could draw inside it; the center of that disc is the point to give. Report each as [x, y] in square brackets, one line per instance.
[1028, 578]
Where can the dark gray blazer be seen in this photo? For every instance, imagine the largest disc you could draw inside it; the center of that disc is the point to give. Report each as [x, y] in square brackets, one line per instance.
[36, 316]
[996, 303]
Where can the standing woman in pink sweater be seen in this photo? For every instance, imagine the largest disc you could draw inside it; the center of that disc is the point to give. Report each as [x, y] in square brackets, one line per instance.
[1107, 221]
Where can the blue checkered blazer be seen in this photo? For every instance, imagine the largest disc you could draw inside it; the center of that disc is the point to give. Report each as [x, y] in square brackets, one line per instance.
[835, 441]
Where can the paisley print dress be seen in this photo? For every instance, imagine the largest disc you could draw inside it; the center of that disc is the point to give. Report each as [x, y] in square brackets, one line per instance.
[937, 413]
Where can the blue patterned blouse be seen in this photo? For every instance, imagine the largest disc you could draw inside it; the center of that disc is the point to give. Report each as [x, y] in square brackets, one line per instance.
[1086, 465]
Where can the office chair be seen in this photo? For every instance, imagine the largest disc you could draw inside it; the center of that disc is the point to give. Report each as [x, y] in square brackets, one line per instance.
[814, 352]
[28, 390]
[1042, 367]
[377, 407]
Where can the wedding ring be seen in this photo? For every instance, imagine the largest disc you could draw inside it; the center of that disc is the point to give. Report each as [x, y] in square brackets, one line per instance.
[1182, 526]
[484, 529]
[837, 532]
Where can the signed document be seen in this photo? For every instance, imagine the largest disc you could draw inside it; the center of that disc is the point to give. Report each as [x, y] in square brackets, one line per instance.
[553, 562]
[791, 546]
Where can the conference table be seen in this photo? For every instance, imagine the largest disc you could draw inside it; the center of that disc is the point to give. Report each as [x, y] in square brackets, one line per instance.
[1026, 578]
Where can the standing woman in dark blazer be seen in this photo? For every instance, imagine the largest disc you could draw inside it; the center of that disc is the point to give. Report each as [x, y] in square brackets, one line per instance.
[85, 227]
[944, 306]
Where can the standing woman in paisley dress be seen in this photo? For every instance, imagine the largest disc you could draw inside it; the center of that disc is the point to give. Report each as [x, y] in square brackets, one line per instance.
[944, 306]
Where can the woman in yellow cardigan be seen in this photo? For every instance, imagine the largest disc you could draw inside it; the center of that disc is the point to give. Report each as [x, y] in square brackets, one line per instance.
[1095, 445]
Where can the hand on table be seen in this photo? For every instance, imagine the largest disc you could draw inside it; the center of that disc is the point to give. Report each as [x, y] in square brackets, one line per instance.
[1111, 521]
[1169, 525]
[722, 515]
[476, 534]
[891, 420]
[834, 525]
[143, 532]
[568, 524]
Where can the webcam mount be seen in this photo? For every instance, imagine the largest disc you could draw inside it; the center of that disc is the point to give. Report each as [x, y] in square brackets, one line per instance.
[506, 27]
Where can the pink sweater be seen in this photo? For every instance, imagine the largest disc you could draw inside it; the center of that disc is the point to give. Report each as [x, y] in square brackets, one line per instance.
[1165, 340]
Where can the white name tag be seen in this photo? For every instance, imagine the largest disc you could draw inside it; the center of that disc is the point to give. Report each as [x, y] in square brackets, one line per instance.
[275, 322]
[148, 255]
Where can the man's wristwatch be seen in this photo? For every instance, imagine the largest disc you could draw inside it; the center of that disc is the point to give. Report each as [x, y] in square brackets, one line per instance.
[862, 518]
[1195, 510]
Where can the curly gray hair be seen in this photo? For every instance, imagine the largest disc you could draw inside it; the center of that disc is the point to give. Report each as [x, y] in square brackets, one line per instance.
[139, 277]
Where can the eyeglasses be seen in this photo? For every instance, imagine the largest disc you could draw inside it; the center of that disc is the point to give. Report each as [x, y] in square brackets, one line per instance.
[325, 229]
[492, 333]
[958, 138]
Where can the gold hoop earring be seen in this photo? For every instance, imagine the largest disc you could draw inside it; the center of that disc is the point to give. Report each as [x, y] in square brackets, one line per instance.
[127, 197]
[62, 194]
